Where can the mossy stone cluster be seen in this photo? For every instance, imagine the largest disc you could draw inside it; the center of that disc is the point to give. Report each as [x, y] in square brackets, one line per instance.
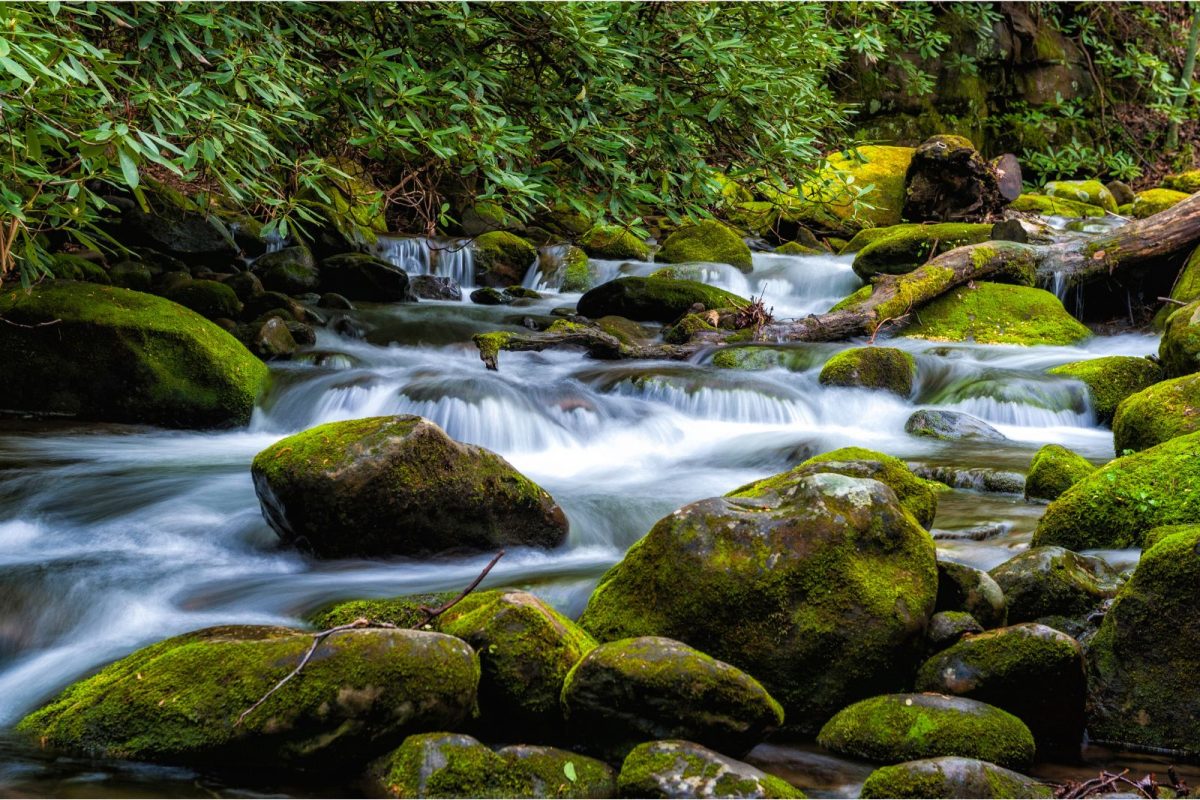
[501, 258]
[653, 299]
[1154, 201]
[682, 769]
[1179, 349]
[819, 586]
[951, 776]
[910, 246]
[995, 313]
[614, 243]
[110, 354]
[1157, 414]
[1092, 192]
[398, 486]
[1047, 206]
[1111, 379]
[905, 727]
[1055, 469]
[177, 701]
[1115, 505]
[1046, 581]
[708, 240]
[885, 368]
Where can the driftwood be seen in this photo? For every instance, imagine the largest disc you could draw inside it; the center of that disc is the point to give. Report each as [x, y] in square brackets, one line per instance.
[893, 297]
[1112, 782]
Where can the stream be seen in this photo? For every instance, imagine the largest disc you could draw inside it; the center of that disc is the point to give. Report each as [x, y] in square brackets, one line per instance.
[113, 537]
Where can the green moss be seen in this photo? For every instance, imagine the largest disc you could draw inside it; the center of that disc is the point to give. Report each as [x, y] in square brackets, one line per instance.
[1049, 206]
[707, 240]
[680, 768]
[683, 331]
[1179, 350]
[1111, 379]
[577, 271]
[490, 344]
[912, 245]
[1048, 581]
[871, 368]
[75, 268]
[860, 295]
[993, 313]
[653, 299]
[614, 243]
[904, 727]
[502, 257]
[208, 298]
[881, 167]
[626, 331]
[1091, 192]
[549, 772]
[1157, 414]
[1055, 469]
[1185, 290]
[756, 357]
[448, 765]
[950, 777]
[1154, 201]
[1183, 181]
[797, 249]
[403, 612]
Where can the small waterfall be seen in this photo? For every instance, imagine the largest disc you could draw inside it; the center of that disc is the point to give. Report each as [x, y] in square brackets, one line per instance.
[455, 260]
[421, 255]
[410, 255]
[546, 273]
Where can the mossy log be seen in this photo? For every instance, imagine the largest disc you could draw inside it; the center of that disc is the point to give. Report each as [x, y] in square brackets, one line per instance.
[891, 298]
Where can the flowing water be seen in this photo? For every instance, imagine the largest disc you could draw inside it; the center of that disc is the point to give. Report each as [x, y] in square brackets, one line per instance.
[112, 537]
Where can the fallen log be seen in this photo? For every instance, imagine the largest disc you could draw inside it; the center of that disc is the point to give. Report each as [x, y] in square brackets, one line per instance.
[890, 299]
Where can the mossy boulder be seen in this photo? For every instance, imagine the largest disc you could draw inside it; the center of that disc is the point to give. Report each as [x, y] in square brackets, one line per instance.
[951, 776]
[210, 299]
[104, 353]
[1093, 193]
[179, 701]
[269, 339]
[1145, 685]
[1153, 201]
[178, 226]
[917, 496]
[135, 275]
[398, 485]
[578, 274]
[290, 270]
[834, 582]
[947, 627]
[1116, 504]
[501, 258]
[797, 249]
[653, 299]
[1188, 182]
[631, 690]
[932, 423]
[1186, 289]
[526, 649]
[879, 166]
[358, 276]
[964, 588]
[869, 235]
[906, 727]
[681, 769]
[67, 266]
[1031, 671]
[403, 612]
[708, 240]
[551, 772]
[614, 243]
[245, 285]
[1158, 414]
[883, 368]
[1048, 206]
[995, 313]
[1179, 349]
[1046, 582]
[910, 246]
[1055, 469]
[1111, 379]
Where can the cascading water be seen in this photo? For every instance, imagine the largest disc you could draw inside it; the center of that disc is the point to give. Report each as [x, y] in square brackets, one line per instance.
[446, 258]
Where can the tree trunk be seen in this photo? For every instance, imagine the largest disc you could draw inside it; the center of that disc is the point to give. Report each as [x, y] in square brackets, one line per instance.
[1185, 79]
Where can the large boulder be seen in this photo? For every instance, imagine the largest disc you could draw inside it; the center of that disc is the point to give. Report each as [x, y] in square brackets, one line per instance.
[708, 241]
[964, 588]
[871, 368]
[1116, 504]
[681, 769]
[1093, 193]
[1043, 583]
[358, 276]
[501, 258]
[818, 585]
[1185, 290]
[399, 485]
[653, 299]
[933, 423]
[1145, 685]
[614, 243]
[1179, 349]
[951, 776]
[834, 191]
[905, 727]
[1055, 469]
[949, 181]
[175, 225]
[210, 299]
[997, 313]
[182, 700]
[1031, 671]
[104, 353]
[631, 690]
[910, 246]
[1111, 379]
[1157, 414]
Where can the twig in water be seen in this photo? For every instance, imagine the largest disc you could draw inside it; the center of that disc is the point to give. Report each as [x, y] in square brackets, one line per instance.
[433, 613]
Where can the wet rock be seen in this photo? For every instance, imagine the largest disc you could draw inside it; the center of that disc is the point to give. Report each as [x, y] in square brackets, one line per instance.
[917, 496]
[975, 533]
[653, 299]
[871, 368]
[291, 270]
[1111, 379]
[435, 287]
[1050, 581]
[951, 776]
[334, 301]
[949, 181]
[710, 241]
[978, 478]
[1121, 192]
[950, 425]
[488, 296]
[947, 627]
[207, 298]
[269, 340]
[358, 276]
[403, 612]
[167, 282]
[178, 227]
[245, 285]
[1055, 469]
[1031, 671]
[501, 258]
[1091, 192]
[549, 772]
[131, 275]
[906, 727]
[521, 293]
[910, 246]
[963, 588]
[614, 243]
[110, 354]
[681, 769]
[178, 701]
[998, 313]
[398, 486]
[1179, 349]
[304, 334]
[270, 302]
[835, 583]
[631, 690]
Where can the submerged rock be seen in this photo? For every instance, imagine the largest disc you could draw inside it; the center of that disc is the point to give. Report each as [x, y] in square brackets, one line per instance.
[998, 313]
[906, 727]
[104, 353]
[834, 582]
[950, 425]
[979, 479]
[681, 769]
[1055, 469]
[951, 776]
[1046, 582]
[178, 701]
[653, 299]
[964, 588]
[398, 486]
[871, 368]
[708, 240]
[910, 246]
[614, 243]
[1111, 379]
[357, 276]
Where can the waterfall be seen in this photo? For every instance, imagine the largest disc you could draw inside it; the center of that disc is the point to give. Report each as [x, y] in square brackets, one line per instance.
[421, 255]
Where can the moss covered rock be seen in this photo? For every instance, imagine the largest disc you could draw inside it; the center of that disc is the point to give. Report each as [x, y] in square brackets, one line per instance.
[136, 275]
[403, 612]
[501, 258]
[210, 299]
[708, 240]
[398, 485]
[1153, 201]
[578, 275]
[1186, 289]
[1145, 685]
[1179, 349]
[917, 496]
[933, 423]
[951, 776]
[1031, 671]
[614, 243]
[1116, 504]
[103, 353]
[1045, 582]
[551, 772]
[1093, 193]
[67, 266]
[1055, 469]
[834, 582]
[1111, 379]
[269, 338]
[1048, 206]
[868, 235]
[178, 701]
[178, 226]
[681, 769]
[906, 727]
[797, 249]
[910, 246]
[290, 270]
[1158, 414]
[1183, 181]
[653, 299]
[879, 166]
[631, 690]
[995, 313]
[947, 627]
[358, 276]
[871, 368]
[964, 588]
